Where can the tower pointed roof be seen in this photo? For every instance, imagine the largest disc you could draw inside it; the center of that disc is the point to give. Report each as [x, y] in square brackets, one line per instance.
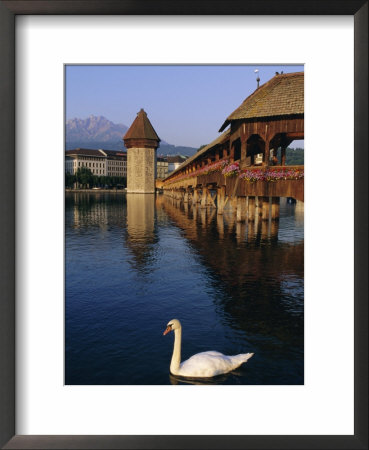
[141, 128]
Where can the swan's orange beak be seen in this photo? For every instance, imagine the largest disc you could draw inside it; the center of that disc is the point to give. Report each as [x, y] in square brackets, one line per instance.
[167, 330]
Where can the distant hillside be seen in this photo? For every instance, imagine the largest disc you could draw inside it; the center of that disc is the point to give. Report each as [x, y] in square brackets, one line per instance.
[168, 149]
[294, 156]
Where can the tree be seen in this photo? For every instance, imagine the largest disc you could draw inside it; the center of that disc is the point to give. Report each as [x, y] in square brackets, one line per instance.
[70, 179]
[294, 156]
[84, 176]
[95, 180]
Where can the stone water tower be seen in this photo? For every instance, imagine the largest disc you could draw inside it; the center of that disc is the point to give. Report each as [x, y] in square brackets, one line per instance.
[141, 142]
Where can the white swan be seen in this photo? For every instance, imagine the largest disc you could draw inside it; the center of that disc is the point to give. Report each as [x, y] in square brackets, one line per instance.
[205, 364]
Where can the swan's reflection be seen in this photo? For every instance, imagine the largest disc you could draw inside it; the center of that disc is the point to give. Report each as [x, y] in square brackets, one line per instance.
[220, 379]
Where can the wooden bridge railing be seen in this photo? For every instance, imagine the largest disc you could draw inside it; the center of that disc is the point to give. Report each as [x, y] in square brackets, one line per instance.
[271, 181]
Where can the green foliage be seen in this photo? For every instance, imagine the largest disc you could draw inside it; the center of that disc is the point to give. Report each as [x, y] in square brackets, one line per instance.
[84, 177]
[294, 156]
[112, 182]
[69, 180]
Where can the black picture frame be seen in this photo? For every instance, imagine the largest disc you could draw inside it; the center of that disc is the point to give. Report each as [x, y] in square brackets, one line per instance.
[8, 11]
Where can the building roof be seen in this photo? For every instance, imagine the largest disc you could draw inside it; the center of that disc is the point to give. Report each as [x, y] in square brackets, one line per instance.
[141, 128]
[93, 152]
[176, 159]
[283, 95]
[219, 140]
[85, 152]
[115, 153]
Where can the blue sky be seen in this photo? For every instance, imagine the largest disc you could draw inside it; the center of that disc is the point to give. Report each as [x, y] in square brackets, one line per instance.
[186, 104]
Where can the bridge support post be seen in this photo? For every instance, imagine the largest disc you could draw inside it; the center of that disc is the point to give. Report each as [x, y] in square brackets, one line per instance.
[275, 208]
[211, 199]
[283, 155]
[190, 194]
[204, 197]
[267, 152]
[185, 197]
[267, 202]
[241, 209]
[251, 209]
[195, 196]
[258, 207]
[221, 199]
[233, 201]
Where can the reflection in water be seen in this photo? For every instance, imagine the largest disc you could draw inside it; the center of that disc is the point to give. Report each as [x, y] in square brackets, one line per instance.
[140, 216]
[220, 379]
[141, 235]
[133, 262]
[253, 272]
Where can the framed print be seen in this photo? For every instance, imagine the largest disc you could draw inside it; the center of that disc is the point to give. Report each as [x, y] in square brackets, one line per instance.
[324, 403]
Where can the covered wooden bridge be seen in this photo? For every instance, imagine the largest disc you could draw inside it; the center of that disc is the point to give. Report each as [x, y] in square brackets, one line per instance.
[241, 166]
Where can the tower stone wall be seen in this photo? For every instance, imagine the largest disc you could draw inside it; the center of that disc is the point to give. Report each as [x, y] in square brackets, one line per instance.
[141, 166]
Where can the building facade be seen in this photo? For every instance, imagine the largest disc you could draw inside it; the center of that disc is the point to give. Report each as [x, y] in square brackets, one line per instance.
[101, 162]
[116, 163]
[161, 167]
[175, 161]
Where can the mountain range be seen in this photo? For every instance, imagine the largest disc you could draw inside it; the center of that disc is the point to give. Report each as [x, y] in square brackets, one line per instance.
[98, 132]
[94, 128]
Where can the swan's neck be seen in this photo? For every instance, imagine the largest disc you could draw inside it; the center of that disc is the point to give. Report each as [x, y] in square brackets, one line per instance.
[176, 357]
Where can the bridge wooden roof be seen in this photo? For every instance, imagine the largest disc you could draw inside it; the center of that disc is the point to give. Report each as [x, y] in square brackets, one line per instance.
[283, 95]
[219, 140]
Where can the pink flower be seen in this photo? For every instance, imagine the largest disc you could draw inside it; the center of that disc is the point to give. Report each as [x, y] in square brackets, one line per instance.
[252, 175]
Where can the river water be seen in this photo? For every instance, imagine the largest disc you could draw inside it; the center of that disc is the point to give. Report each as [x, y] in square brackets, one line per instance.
[133, 262]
